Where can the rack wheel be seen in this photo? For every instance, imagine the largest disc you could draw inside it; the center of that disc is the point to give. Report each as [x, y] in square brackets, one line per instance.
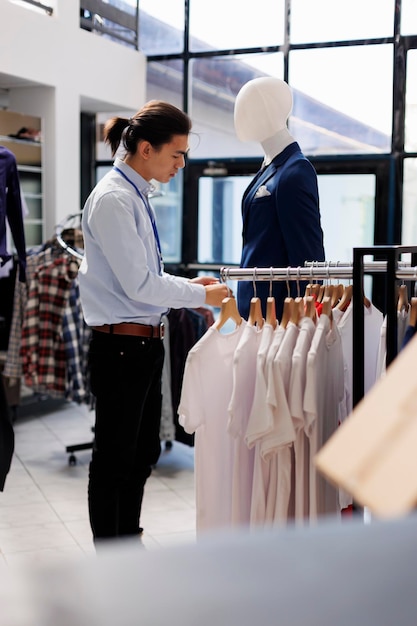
[72, 459]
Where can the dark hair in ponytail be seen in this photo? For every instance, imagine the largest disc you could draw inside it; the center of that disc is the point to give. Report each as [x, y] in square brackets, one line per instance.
[156, 122]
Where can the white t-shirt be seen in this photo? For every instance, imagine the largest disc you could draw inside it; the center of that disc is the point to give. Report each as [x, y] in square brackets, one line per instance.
[278, 442]
[324, 392]
[260, 423]
[260, 419]
[243, 388]
[277, 382]
[295, 399]
[203, 409]
[403, 318]
[373, 320]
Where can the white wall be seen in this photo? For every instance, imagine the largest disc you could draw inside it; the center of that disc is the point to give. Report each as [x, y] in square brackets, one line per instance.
[65, 70]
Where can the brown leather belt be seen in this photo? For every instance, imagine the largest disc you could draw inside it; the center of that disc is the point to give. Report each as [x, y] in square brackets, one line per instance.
[135, 330]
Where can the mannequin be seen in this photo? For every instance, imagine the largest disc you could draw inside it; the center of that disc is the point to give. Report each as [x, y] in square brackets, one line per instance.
[280, 207]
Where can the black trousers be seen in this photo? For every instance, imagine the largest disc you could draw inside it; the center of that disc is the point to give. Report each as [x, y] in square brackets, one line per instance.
[125, 374]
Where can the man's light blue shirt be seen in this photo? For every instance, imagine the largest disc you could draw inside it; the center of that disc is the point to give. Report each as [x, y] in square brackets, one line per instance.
[119, 274]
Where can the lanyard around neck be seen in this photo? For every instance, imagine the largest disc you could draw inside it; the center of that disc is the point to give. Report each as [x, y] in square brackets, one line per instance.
[145, 201]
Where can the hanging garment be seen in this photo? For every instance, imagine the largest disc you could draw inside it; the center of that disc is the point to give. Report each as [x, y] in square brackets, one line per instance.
[11, 209]
[51, 354]
[373, 320]
[323, 396]
[6, 437]
[260, 423]
[76, 337]
[167, 428]
[186, 327]
[203, 410]
[243, 389]
[43, 350]
[295, 401]
[13, 365]
[279, 442]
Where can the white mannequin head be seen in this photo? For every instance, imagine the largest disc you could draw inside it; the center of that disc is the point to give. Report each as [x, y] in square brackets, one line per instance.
[262, 108]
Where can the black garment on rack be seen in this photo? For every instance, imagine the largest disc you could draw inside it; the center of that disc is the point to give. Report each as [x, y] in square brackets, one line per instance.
[11, 208]
[7, 287]
[6, 437]
[186, 327]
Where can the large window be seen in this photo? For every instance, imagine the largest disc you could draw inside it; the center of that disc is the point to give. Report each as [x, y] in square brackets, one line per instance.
[351, 68]
[337, 109]
[329, 20]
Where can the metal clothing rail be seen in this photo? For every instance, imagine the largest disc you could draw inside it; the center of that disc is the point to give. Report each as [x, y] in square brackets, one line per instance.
[404, 271]
[391, 267]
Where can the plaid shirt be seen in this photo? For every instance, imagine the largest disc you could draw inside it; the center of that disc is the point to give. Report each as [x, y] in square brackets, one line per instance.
[43, 349]
[13, 365]
[76, 336]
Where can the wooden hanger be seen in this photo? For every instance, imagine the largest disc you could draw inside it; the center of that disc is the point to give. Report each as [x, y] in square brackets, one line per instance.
[328, 291]
[366, 301]
[320, 294]
[271, 313]
[297, 310]
[315, 290]
[287, 311]
[413, 312]
[337, 294]
[327, 307]
[255, 313]
[402, 303]
[345, 299]
[228, 311]
[310, 308]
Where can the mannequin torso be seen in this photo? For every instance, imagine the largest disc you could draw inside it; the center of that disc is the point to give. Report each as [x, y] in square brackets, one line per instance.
[280, 208]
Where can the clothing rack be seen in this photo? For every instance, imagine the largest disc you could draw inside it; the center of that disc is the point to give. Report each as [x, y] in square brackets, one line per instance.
[390, 266]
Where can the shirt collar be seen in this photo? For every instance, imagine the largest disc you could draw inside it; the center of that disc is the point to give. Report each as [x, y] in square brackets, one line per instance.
[143, 185]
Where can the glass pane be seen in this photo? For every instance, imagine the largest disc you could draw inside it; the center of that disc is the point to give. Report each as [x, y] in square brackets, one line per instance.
[101, 170]
[214, 85]
[327, 20]
[347, 207]
[337, 108]
[34, 207]
[408, 17]
[411, 103]
[167, 203]
[33, 234]
[409, 224]
[165, 80]
[113, 20]
[220, 218]
[223, 25]
[30, 182]
[161, 26]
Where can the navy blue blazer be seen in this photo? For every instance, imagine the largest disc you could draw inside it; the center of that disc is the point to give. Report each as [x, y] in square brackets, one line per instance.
[11, 208]
[281, 225]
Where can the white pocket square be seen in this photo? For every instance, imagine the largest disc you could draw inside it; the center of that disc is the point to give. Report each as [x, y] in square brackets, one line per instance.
[262, 191]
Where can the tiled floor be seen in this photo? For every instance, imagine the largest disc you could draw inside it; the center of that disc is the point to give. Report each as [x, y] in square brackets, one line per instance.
[43, 508]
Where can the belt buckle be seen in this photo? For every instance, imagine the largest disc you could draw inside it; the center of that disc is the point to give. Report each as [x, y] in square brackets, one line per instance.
[161, 330]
